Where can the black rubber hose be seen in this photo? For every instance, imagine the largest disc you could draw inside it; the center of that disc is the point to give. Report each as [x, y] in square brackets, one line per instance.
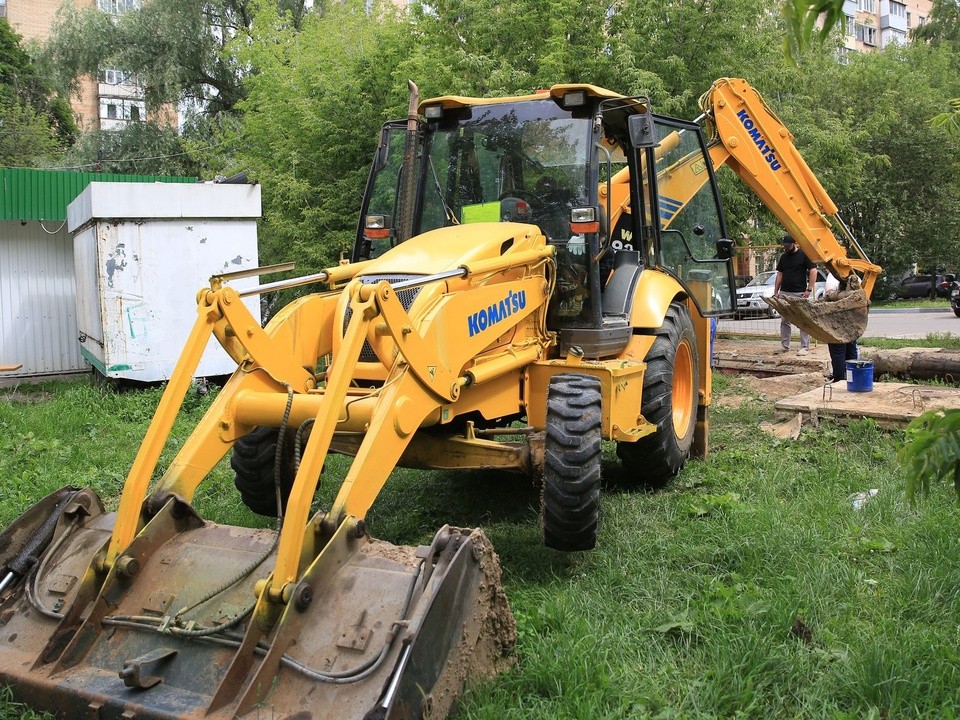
[29, 554]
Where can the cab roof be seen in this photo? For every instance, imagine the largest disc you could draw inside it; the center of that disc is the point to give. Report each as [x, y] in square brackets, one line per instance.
[556, 92]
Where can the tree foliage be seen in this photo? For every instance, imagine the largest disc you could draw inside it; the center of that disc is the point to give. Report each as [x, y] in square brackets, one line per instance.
[942, 26]
[34, 121]
[310, 122]
[176, 48]
[299, 95]
[140, 148]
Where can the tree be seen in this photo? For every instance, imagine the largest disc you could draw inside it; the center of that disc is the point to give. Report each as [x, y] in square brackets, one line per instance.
[942, 26]
[176, 47]
[310, 121]
[33, 120]
[904, 203]
[140, 148]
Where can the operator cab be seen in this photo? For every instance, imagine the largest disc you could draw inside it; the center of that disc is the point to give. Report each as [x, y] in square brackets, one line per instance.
[572, 162]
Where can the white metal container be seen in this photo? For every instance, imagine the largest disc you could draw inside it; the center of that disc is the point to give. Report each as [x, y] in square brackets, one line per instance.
[141, 252]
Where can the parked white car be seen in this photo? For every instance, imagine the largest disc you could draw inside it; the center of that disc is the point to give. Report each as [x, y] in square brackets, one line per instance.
[750, 296]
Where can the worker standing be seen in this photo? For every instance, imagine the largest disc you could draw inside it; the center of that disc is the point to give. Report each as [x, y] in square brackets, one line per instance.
[796, 277]
[839, 352]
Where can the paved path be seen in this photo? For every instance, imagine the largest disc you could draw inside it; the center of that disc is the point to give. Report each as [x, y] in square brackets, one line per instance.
[880, 323]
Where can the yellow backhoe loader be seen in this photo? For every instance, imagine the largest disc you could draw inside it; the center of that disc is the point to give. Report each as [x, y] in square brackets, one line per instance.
[531, 276]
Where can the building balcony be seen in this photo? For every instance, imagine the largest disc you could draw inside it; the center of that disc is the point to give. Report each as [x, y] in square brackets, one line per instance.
[893, 16]
[893, 22]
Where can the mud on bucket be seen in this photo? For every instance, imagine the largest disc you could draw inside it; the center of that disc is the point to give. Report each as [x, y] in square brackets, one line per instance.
[859, 376]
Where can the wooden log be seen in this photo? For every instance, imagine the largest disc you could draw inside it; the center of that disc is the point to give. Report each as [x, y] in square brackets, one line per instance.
[916, 363]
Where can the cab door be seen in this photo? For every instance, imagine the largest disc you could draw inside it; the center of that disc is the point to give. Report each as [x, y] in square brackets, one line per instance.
[693, 244]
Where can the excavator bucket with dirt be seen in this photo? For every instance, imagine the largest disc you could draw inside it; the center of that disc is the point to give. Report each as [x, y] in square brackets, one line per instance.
[833, 319]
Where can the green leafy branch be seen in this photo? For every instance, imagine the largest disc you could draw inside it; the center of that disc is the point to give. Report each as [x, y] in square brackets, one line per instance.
[932, 451]
[801, 17]
[950, 120]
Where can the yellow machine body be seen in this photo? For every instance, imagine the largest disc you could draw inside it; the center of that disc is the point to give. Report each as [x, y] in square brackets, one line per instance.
[489, 319]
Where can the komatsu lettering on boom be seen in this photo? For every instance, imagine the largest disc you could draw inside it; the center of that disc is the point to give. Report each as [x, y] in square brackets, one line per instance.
[758, 139]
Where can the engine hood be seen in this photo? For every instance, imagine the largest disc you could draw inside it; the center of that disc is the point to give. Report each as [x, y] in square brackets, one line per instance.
[449, 247]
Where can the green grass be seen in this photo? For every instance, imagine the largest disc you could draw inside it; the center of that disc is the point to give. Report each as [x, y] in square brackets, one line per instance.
[947, 341]
[912, 303]
[748, 588]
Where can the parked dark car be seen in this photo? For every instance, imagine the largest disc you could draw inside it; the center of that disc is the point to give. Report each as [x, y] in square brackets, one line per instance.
[955, 297]
[923, 286]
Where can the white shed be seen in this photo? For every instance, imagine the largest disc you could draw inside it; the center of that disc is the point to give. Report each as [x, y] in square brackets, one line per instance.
[141, 252]
[38, 327]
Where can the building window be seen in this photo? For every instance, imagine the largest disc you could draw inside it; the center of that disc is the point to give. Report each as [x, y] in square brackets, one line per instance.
[909, 21]
[898, 9]
[869, 6]
[117, 7]
[851, 25]
[866, 34]
[122, 110]
[112, 76]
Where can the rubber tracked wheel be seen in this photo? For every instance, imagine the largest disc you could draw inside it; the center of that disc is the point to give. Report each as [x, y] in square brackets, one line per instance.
[669, 402]
[254, 462]
[571, 472]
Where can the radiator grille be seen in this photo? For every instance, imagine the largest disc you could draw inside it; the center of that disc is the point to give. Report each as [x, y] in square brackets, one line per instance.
[406, 296]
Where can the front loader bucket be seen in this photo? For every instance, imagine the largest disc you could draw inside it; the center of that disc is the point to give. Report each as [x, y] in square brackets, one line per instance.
[370, 631]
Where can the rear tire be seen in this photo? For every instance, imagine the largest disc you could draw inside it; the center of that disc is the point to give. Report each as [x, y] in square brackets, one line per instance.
[670, 398]
[254, 462]
[956, 311]
[571, 472]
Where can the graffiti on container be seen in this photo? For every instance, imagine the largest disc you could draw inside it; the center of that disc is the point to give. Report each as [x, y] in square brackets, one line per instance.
[116, 261]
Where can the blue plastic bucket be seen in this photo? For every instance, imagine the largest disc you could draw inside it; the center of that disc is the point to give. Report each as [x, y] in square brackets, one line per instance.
[859, 376]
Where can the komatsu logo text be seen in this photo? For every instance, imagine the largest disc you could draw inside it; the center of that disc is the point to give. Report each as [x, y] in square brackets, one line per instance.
[759, 140]
[481, 320]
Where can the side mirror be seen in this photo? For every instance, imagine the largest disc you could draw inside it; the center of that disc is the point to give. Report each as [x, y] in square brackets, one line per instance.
[640, 126]
[724, 248]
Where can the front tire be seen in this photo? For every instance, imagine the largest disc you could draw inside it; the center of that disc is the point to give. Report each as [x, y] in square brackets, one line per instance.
[571, 474]
[254, 462]
[670, 398]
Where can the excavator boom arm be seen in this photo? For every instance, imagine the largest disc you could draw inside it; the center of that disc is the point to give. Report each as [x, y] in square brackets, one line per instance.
[750, 139]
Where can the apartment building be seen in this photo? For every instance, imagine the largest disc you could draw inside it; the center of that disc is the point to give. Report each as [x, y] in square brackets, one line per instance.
[107, 102]
[875, 24]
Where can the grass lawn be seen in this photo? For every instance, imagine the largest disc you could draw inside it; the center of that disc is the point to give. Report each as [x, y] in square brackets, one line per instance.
[749, 588]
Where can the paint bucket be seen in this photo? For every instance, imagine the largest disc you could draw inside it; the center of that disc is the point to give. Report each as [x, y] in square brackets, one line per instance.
[859, 376]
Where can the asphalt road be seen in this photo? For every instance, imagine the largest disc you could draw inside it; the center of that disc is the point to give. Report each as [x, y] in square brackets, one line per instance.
[880, 323]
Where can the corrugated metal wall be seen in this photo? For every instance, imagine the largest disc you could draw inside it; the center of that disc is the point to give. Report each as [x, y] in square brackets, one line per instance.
[44, 194]
[38, 325]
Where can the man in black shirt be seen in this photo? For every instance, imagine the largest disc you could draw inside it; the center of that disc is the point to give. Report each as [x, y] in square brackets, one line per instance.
[796, 277]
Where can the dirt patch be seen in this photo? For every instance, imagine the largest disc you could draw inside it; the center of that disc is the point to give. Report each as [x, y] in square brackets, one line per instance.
[745, 387]
[16, 397]
[488, 638]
